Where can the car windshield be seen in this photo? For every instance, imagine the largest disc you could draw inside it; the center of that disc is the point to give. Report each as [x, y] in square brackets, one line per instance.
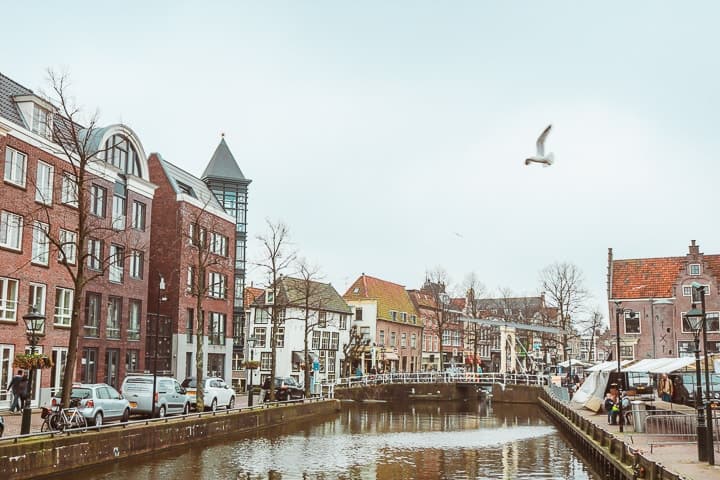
[189, 383]
[286, 380]
[81, 393]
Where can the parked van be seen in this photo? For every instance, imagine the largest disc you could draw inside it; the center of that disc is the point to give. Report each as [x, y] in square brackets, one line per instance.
[170, 397]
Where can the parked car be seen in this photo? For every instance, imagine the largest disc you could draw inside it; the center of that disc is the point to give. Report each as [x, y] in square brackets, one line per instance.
[286, 388]
[97, 402]
[170, 397]
[215, 393]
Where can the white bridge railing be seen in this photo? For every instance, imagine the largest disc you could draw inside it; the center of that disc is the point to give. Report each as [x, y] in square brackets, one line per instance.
[440, 377]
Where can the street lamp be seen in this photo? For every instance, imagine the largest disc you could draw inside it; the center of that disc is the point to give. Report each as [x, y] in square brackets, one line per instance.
[160, 298]
[568, 351]
[251, 343]
[695, 318]
[35, 321]
[702, 320]
[619, 311]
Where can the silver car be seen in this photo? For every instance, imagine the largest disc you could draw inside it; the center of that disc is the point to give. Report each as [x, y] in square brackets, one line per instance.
[98, 403]
[170, 397]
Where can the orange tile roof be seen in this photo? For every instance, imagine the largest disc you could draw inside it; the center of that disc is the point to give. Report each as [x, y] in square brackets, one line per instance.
[250, 294]
[389, 296]
[645, 277]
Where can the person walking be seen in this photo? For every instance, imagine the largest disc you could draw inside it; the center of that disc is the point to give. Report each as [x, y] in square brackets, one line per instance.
[14, 388]
[665, 388]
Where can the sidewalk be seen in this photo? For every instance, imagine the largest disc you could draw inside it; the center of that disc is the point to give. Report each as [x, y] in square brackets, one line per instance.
[14, 422]
[678, 458]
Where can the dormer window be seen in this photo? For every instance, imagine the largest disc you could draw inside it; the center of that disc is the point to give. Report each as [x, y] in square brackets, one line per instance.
[120, 152]
[41, 121]
[694, 269]
[269, 297]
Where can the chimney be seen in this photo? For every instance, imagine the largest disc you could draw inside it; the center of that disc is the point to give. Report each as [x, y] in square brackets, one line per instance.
[694, 249]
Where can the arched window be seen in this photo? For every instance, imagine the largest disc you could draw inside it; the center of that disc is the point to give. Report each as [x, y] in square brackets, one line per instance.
[119, 151]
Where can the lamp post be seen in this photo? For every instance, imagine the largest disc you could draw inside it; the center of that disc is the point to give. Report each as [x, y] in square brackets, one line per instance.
[619, 311]
[696, 319]
[34, 321]
[251, 343]
[161, 298]
[568, 351]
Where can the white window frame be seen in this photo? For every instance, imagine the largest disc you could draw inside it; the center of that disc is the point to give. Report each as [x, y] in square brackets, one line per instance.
[15, 167]
[63, 306]
[136, 264]
[687, 291]
[38, 296]
[68, 247]
[690, 269]
[119, 207]
[41, 121]
[697, 299]
[94, 259]
[639, 320]
[98, 200]
[11, 229]
[8, 299]
[114, 317]
[190, 277]
[69, 189]
[117, 263]
[134, 319]
[139, 215]
[40, 244]
[44, 183]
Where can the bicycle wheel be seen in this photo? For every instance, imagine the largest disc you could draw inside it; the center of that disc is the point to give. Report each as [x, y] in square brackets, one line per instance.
[55, 422]
[80, 422]
[45, 427]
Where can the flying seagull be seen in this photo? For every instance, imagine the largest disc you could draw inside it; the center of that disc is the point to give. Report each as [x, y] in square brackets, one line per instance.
[540, 156]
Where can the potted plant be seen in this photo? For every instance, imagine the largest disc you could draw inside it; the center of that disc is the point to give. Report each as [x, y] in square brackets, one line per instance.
[31, 361]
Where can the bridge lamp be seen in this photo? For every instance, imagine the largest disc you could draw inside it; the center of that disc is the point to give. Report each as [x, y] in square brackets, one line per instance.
[695, 319]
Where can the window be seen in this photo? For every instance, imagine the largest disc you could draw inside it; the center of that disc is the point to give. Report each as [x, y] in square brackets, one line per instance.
[216, 334]
[687, 291]
[189, 325]
[15, 165]
[343, 321]
[269, 297]
[219, 244]
[139, 211]
[696, 293]
[10, 230]
[403, 340]
[117, 261]
[120, 152]
[365, 333]
[392, 339]
[44, 183]
[280, 337]
[713, 322]
[259, 334]
[69, 190]
[265, 360]
[627, 352]
[63, 306]
[97, 200]
[134, 316]
[413, 341]
[113, 317]
[322, 319]
[694, 269]
[403, 317]
[190, 277]
[358, 314]
[40, 244]
[131, 360]
[325, 341]
[112, 360]
[686, 348]
[262, 315]
[136, 264]
[218, 285]
[393, 315]
[632, 322]
[316, 340]
[88, 372]
[381, 337]
[118, 212]
[95, 248]
[92, 314]
[413, 319]
[36, 299]
[67, 253]
[41, 121]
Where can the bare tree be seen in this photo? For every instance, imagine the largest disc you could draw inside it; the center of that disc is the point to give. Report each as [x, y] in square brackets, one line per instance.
[436, 284]
[275, 260]
[473, 289]
[564, 290]
[354, 349]
[206, 257]
[593, 327]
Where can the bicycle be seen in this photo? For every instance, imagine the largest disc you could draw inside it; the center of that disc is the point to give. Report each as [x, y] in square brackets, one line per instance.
[61, 419]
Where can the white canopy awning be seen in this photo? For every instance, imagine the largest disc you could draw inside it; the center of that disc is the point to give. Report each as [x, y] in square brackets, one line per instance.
[660, 365]
[609, 366]
[575, 363]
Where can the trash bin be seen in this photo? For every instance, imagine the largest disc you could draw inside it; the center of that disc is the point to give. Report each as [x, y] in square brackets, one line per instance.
[639, 414]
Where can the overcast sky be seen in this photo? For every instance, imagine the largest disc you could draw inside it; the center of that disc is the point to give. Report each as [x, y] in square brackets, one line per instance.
[390, 136]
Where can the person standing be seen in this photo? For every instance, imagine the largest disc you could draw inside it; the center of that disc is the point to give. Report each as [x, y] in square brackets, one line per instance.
[14, 388]
[665, 388]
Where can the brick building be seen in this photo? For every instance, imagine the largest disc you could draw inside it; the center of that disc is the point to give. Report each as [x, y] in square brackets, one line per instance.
[654, 294]
[192, 250]
[38, 236]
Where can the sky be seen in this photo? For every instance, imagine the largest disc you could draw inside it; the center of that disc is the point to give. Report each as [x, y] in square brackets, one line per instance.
[390, 136]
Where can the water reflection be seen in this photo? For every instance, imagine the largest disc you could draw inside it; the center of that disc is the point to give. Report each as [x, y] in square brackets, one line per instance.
[430, 440]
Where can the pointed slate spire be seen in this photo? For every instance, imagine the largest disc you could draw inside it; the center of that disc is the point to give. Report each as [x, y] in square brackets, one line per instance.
[223, 165]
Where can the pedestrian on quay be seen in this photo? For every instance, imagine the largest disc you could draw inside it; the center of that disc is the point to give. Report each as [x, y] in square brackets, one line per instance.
[14, 388]
[665, 388]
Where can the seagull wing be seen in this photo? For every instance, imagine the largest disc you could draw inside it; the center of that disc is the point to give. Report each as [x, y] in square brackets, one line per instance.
[541, 141]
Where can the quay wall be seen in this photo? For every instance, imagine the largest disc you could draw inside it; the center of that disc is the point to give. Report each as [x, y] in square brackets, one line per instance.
[41, 455]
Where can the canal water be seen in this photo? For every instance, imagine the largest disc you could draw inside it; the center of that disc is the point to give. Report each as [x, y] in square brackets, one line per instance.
[422, 440]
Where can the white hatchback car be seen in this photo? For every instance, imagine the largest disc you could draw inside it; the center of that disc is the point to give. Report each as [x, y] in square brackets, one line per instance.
[216, 393]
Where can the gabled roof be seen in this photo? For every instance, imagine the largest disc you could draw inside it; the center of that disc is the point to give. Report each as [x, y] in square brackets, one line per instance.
[422, 300]
[292, 292]
[646, 277]
[389, 296]
[223, 165]
[186, 183]
[8, 109]
[250, 294]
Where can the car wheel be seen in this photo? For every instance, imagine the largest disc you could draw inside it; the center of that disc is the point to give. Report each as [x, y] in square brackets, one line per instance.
[98, 419]
[231, 403]
[161, 412]
[125, 416]
[186, 410]
[213, 405]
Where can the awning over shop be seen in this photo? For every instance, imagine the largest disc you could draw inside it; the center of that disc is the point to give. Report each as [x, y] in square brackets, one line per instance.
[390, 356]
[575, 363]
[660, 365]
[610, 366]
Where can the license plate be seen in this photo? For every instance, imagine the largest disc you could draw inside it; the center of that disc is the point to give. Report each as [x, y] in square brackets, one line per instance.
[192, 394]
[133, 404]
